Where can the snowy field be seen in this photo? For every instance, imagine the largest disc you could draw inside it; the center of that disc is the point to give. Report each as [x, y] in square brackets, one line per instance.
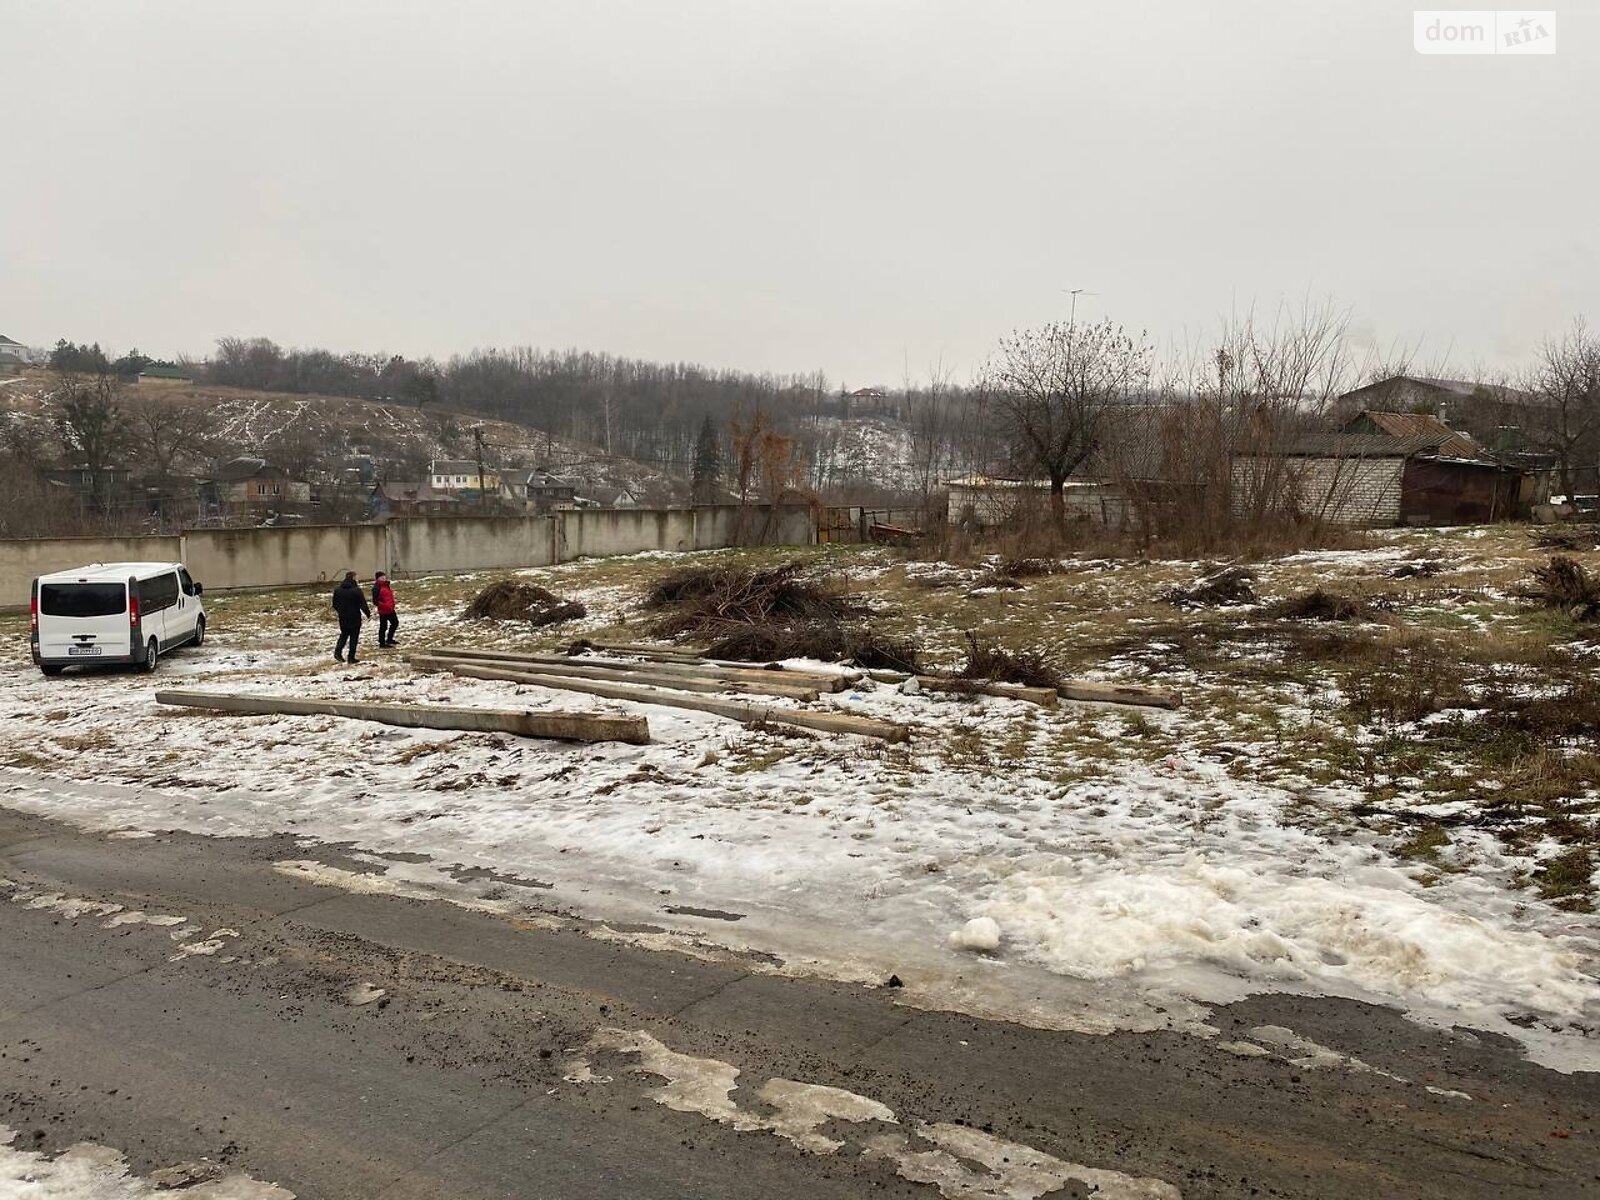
[1091, 868]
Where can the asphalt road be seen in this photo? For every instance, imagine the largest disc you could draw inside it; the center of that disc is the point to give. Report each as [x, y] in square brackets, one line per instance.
[251, 1034]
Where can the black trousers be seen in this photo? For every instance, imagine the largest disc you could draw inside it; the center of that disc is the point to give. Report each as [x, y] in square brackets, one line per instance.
[347, 633]
[387, 624]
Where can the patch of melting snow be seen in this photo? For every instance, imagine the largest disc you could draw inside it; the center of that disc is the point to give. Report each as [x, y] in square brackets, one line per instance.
[198, 949]
[804, 1108]
[87, 1171]
[963, 1163]
[139, 917]
[1010, 1171]
[426, 883]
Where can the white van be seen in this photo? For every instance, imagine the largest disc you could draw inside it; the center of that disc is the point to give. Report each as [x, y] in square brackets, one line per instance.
[129, 612]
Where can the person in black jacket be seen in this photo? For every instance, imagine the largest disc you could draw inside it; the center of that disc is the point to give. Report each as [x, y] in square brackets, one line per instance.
[351, 605]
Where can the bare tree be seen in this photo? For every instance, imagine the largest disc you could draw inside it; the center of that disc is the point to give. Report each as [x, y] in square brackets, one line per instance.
[1052, 388]
[1235, 403]
[931, 420]
[163, 429]
[92, 426]
[299, 449]
[1565, 401]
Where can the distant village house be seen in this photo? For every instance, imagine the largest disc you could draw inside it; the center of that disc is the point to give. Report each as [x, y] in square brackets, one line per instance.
[421, 499]
[253, 485]
[463, 475]
[14, 355]
[1383, 469]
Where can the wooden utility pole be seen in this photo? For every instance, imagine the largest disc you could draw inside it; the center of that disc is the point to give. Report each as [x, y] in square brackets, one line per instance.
[477, 441]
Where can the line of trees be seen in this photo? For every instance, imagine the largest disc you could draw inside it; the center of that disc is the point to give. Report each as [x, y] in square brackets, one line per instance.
[651, 412]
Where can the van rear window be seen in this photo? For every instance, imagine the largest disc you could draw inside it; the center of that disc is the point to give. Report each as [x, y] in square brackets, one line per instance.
[83, 599]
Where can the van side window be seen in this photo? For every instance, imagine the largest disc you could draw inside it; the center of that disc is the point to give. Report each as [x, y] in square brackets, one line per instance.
[158, 593]
[185, 582]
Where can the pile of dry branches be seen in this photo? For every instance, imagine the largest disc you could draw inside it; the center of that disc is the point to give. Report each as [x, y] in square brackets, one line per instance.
[986, 660]
[1228, 585]
[1577, 538]
[509, 600]
[1418, 568]
[707, 599]
[1564, 584]
[1320, 605]
[770, 613]
[825, 640]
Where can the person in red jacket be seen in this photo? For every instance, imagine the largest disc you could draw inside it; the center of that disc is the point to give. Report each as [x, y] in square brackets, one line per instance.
[383, 601]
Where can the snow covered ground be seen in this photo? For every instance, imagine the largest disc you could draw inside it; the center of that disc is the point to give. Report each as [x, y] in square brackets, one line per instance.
[1128, 896]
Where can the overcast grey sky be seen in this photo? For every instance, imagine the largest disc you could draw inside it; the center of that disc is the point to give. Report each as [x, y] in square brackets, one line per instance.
[851, 186]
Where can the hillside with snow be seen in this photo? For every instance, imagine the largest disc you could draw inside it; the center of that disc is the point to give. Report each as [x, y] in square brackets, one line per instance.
[312, 435]
[851, 451]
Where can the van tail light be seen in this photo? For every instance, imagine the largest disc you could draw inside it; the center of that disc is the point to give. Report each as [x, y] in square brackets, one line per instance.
[33, 613]
[133, 612]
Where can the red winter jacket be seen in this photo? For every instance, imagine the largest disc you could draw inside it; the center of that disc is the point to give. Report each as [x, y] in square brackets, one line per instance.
[383, 597]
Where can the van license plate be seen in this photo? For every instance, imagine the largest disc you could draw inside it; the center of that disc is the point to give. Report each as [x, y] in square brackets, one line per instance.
[87, 650]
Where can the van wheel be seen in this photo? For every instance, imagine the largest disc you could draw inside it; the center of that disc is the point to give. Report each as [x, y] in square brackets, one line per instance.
[152, 652]
[52, 672]
[200, 632]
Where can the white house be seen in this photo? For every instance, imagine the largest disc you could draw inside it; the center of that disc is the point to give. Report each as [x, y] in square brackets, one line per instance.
[14, 354]
[461, 475]
[985, 501]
